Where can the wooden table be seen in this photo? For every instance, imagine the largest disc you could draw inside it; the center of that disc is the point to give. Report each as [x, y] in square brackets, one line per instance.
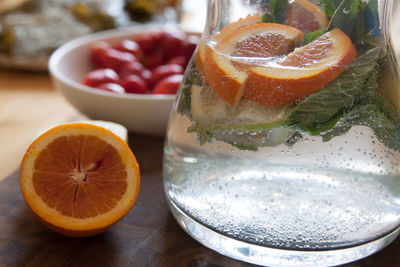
[147, 236]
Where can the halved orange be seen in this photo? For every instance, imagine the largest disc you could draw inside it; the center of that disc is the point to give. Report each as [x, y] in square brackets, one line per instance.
[225, 64]
[306, 16]
[79, 179]
[304, 71]
[200, 52]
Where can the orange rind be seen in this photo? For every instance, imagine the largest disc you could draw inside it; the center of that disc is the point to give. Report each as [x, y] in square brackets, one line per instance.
[302, 72]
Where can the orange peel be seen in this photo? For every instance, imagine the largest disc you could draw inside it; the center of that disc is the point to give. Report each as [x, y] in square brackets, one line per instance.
[301, 73]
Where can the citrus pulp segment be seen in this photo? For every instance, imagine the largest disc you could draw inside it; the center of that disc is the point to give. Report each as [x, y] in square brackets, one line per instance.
[302, 72]
[306, 16]
[79, 179]
[225, 68]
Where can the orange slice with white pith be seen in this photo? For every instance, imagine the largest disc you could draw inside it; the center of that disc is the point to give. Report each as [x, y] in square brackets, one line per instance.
[304, 71]
[200, 53]
[224, 68]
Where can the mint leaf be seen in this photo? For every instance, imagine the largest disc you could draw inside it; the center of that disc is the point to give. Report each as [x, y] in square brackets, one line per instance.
[372, 18]
[278, 11]
[342, 93]
[311, 36]
[329, 6]
[370, 115]
[365, 115]
[356, 18]
[346, 17]
[344, 121]
[184, 101]
[266, 18]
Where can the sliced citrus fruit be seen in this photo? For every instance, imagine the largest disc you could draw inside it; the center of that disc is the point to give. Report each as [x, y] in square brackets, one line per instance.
[304, 71]
[247, 124]
[254, 44]
[79, 179]
[208, 109]
[306, 16]
[200, 52]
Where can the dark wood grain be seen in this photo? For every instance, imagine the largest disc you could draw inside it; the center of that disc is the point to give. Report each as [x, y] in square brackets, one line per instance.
[147, 236]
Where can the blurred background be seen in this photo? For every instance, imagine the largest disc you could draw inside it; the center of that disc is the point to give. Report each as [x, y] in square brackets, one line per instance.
[31, 29]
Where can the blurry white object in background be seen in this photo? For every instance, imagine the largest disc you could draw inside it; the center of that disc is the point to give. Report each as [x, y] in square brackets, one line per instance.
[395, 27]
[192, 15]
[116, 128]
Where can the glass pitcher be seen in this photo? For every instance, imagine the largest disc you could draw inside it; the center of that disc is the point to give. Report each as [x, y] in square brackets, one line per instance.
[283, 146]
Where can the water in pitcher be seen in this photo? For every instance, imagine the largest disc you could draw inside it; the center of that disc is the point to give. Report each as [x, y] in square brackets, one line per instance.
[286, 137]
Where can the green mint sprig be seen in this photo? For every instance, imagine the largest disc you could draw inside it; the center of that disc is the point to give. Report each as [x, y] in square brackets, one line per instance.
[278, 10]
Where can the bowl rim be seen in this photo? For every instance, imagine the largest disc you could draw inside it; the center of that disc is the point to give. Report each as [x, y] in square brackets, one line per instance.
[98, 36]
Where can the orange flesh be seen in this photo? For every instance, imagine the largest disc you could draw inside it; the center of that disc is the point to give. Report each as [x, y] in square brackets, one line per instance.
[80, 176]
[298, 16]
[263, 45]
[314, 53]
[306, 16]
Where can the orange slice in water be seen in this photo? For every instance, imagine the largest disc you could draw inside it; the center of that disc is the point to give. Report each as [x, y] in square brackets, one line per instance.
[304, 71]
[79, 179]
[226, 74]
[306, 16]
[200, 52]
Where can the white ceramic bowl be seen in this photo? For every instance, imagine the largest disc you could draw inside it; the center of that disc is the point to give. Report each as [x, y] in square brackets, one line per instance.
[147, 114]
